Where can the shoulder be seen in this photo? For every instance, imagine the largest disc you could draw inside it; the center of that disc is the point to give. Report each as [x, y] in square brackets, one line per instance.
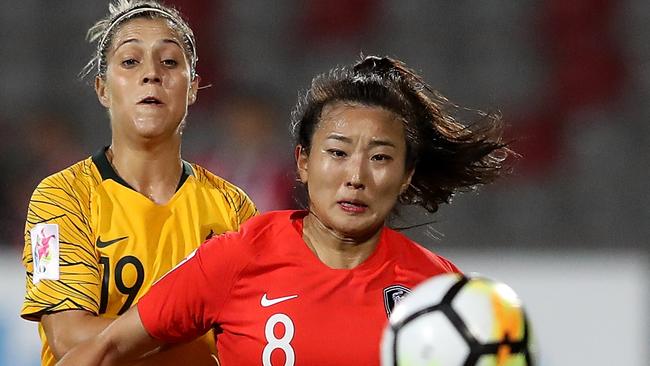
[261, 231]
[76, 180]
[416, 255]
[272, 223]
[211, 180]
[79, 171]
[258, 236]
[63, 199]
[234, 195]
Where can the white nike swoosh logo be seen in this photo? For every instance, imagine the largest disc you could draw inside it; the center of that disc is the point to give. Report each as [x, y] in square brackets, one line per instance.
[268, 302]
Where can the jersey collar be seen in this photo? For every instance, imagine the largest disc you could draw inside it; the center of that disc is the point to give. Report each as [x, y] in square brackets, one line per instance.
[107, 172]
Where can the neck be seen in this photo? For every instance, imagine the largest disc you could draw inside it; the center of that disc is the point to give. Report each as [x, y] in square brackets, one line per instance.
[335, 249]
[153, 171]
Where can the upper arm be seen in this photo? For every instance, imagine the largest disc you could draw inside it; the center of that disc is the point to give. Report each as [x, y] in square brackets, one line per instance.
[188, 300]
[62, 271]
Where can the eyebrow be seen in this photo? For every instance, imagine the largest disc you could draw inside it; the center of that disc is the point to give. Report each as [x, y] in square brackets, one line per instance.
[373, 143]
[137, 40]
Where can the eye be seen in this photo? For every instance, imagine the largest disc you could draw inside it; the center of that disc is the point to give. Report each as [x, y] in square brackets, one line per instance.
[128, 63]
[336, 153]
[169, 62]
[381, 157]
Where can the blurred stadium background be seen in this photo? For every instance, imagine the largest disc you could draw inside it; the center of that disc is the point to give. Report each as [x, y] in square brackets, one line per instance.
[568, 230]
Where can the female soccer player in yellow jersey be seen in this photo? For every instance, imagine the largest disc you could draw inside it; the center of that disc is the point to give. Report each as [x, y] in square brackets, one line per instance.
[101, 232]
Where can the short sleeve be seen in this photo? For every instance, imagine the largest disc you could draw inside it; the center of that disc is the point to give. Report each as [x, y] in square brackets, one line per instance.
[188, 300]
[62, 271]
[448, 265]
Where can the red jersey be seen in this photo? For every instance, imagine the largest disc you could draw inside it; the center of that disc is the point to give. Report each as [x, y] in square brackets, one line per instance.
[275, 303]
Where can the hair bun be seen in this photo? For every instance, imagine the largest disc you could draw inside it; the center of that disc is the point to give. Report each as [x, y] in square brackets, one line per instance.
[374, 65]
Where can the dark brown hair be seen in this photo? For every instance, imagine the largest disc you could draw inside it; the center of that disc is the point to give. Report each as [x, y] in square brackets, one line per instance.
[446, 154]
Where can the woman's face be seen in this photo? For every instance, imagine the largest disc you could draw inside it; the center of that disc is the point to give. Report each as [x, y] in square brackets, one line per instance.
[356, 168]
[147, 86]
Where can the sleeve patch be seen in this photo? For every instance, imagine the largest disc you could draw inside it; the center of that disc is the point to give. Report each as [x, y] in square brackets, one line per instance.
[45, 252]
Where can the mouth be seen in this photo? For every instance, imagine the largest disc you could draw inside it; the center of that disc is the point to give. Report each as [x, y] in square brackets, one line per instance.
[150, 101]
[352, 206]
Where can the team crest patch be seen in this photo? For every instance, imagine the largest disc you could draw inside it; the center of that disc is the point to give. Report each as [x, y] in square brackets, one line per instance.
[45, 252]
[393, 295]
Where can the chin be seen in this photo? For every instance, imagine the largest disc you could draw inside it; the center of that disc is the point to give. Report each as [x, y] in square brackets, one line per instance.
[150, 129]
[356, 227]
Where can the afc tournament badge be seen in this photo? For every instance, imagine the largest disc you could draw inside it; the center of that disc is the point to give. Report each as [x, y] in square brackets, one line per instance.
[45, 252]
[393, 295]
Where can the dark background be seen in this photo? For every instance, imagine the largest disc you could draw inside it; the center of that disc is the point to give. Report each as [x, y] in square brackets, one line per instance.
[571, 77]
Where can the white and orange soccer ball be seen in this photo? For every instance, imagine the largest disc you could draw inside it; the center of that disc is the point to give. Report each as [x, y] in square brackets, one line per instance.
[456, 320]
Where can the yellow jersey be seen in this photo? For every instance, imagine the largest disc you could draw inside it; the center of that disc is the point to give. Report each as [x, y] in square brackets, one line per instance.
[93, 243]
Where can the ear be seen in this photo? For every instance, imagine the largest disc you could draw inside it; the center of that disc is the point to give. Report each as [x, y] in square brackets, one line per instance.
[194, 89]
[100, 90]
[302, 163]
[407, 181]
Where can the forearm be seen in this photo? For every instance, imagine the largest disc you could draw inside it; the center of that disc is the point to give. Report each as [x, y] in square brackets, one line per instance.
[125, 340]
[67, 329]
[96, 351]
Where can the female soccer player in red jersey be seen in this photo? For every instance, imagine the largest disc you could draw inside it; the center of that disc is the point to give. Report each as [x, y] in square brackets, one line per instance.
[101, 232]
[316, 287]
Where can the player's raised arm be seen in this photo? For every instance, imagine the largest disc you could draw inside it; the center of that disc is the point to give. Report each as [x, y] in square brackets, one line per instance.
[125, 340]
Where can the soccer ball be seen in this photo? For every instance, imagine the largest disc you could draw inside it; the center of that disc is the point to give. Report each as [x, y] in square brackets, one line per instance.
[456, 320]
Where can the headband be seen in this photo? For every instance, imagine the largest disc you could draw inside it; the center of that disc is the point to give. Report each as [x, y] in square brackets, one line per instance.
[130, 13]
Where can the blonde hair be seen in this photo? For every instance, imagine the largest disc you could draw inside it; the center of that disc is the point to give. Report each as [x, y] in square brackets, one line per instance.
[120, 11]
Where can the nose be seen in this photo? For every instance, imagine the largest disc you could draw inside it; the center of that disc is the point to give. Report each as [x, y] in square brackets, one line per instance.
[356, 173]
[151, 79]
[355, 183]
[151, 73]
